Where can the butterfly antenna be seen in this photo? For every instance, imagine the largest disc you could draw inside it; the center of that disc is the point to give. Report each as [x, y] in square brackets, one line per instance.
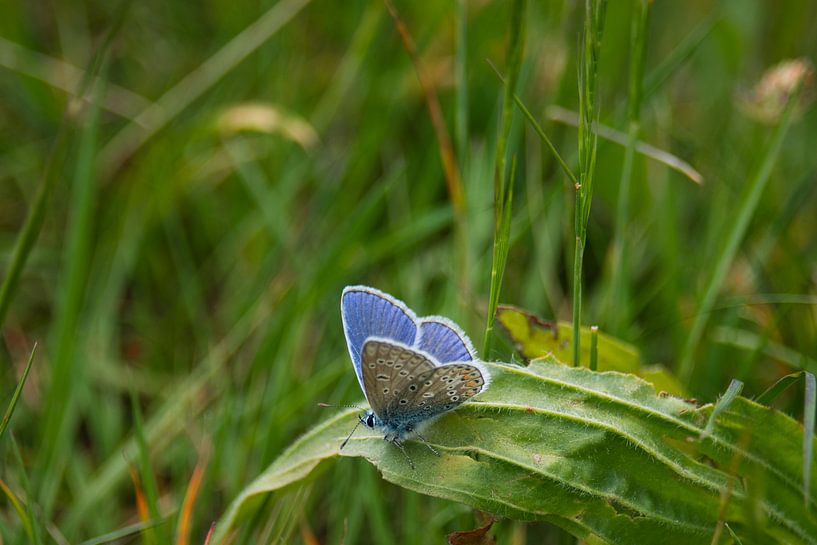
[403, 449]
[425, 441]
[329, 405]
[350, 434]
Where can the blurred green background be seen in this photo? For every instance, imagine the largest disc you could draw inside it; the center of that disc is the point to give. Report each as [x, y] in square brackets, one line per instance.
[248, 159]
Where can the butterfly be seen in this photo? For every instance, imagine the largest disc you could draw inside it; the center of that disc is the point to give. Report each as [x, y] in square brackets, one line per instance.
[410, 369]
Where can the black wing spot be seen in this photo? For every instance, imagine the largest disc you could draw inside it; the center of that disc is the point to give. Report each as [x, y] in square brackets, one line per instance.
[403, 401]
[413, 387]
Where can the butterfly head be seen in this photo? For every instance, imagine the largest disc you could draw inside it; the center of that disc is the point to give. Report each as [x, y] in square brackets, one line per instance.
[370, 420]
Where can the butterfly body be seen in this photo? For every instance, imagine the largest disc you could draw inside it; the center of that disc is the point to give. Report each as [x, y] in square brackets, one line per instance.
[410, 369]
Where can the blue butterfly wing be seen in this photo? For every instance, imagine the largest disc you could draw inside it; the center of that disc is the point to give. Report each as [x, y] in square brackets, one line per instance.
[441, 338]
[367, 312]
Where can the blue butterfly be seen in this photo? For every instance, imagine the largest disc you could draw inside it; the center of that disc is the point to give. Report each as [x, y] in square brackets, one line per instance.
[410, 369]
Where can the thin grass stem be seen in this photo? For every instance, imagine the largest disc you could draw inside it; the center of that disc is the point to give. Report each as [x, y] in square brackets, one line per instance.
[588, 116]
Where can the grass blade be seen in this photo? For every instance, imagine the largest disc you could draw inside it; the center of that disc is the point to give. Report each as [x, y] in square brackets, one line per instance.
[809, 407]
[779, 387]
[183, 527]
[618, 307]
[34, 221]
[36, 530]
[59, 415]
[147, 475]
[450, 168]
[122, 533]
[594, 348]
[563, 115]
[461, 77]
[538, 129]
[685, 50]
[516, 49]
[17, 391]
[21, 510]
[588, 140]
[735, 387]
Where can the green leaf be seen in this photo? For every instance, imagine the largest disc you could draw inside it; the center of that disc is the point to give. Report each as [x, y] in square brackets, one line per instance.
[536, 338]
[599, 454]
[662, 380]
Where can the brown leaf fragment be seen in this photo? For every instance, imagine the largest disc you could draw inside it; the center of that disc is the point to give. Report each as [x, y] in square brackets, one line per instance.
[477, 536]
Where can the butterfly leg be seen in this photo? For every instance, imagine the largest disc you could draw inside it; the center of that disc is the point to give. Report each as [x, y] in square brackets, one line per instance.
[403, 449]
[425, 441]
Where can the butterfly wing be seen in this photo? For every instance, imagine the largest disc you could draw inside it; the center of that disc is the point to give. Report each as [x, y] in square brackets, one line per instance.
[389, 369]
[367, 312]
[444, 340]
[440, 390]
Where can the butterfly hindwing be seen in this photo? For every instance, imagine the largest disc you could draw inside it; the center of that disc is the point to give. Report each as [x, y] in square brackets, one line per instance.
[367, 312]
[443, 388]
[444, 340]
[389, 369]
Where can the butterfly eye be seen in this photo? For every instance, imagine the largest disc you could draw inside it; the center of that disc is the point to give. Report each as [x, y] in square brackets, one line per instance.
[370, 421]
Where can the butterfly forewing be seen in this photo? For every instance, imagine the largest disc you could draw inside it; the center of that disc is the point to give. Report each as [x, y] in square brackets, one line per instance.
[389, 370]
[366, 313]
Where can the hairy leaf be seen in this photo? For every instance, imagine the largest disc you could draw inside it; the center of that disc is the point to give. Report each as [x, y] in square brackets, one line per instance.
[597, 453]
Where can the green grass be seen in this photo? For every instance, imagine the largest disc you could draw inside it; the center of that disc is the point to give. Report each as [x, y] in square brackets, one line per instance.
[182, 279]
